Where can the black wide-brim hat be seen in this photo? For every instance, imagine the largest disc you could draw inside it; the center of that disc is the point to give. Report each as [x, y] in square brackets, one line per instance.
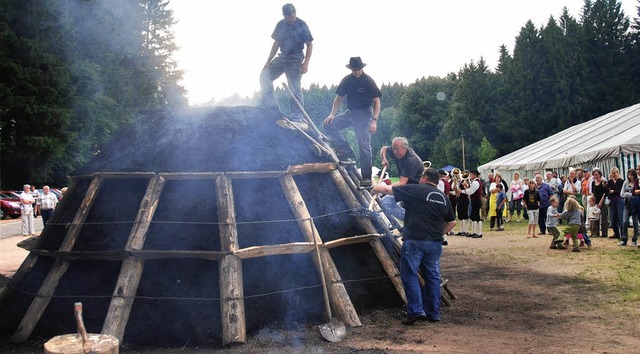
[355, 63]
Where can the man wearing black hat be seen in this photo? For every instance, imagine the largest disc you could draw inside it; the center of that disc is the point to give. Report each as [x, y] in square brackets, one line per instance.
[363, 111]
[290, 36]
[475, 197]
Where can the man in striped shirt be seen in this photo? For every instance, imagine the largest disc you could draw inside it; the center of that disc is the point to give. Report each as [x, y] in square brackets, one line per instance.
[48, 202]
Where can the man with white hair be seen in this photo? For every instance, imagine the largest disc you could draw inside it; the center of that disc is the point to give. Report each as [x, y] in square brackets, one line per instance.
[48, 202]
[552, 181]
[26, 209]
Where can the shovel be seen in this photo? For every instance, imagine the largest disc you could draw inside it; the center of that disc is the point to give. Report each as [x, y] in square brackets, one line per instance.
[334, 330]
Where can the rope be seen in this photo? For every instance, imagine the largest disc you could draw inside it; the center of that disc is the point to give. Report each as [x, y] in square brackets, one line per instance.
[170, 298]
[67, 224]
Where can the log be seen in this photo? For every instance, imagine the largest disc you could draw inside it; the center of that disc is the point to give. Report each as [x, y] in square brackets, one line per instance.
[131, 270]
[351, 240]
[339, 298]
[230, 268]
[389, 267]
[72, 344]
[274, 250]
[324, 167]
[48, 287]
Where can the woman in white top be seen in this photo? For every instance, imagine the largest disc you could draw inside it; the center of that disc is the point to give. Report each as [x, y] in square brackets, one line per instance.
[516, 195]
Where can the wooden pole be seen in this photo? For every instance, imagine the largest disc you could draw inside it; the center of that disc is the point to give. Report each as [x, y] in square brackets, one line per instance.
[338, 296]
[385, 260]
[48, 287]
[131, 269]
[230, 268]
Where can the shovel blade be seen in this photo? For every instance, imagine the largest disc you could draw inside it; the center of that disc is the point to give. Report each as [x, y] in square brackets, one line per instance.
[333, 331]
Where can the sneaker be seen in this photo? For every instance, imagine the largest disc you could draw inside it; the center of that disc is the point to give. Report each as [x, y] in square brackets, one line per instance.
[634, 243]
[622, 243]
[460, 233]
[477, 236]
[581, 243]
[575, 249]
[491, 229]
[445, 243]
[566, 242]
[450, 233]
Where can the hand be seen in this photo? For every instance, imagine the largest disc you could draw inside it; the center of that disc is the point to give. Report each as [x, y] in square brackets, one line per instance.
[373, 127]
[328, 120]
[304, 68]
[385, 163]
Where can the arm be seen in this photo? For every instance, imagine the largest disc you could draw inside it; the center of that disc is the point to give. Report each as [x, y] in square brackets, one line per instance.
[448, 226]
[383, 156]
[472, 189]
[274, 50]
[334, 108]
[403, 181]
[376, 114]
[384, 189]
[307, 57]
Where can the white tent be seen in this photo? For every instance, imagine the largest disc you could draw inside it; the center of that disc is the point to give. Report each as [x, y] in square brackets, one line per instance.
[612, 140]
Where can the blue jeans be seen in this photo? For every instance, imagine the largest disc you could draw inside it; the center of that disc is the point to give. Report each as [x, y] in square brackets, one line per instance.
[424, 256]
[291, 66]
[616, 209]
[391, 207]
[360, 120]
[625, 228]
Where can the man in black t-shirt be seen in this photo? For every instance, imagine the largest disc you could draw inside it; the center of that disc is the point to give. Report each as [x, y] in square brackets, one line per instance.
[363, 111]
[428, 217]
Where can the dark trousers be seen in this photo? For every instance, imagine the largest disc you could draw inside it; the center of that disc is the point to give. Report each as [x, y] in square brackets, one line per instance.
[46, 214]
[360, 120]
[542, 219]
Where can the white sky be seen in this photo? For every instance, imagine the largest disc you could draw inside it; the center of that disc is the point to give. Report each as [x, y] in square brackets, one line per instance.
[225, 44]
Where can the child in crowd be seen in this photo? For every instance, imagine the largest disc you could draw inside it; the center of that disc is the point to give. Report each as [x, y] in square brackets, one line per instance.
[501, 199]
[552, 223]
[572, 211]
[531, 205]
[593, 216]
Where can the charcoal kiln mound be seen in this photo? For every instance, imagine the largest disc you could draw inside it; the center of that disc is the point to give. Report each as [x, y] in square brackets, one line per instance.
[199, 226]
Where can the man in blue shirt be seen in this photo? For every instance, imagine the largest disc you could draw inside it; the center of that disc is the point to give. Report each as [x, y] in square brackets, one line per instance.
[290, 37]
[545, 192]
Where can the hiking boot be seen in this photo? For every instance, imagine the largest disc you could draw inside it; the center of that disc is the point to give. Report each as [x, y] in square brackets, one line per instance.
[410, 320]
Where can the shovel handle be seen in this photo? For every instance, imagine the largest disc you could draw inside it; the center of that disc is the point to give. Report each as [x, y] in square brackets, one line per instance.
[373, 197]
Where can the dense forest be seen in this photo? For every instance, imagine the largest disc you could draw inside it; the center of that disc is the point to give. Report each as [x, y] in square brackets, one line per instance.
[73, 72]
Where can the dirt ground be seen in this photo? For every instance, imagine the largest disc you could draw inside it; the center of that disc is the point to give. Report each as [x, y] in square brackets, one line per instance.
[514, 295]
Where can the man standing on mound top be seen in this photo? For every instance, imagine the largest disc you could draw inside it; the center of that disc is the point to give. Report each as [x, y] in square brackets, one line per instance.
[290, 37]
[363, 111]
